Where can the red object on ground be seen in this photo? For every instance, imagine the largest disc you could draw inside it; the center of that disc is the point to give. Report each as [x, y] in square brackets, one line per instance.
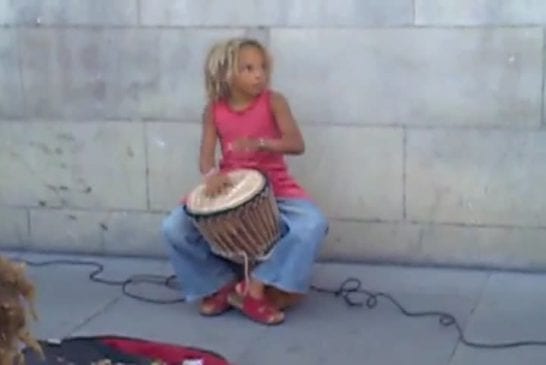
[169, 353]
[120, 350]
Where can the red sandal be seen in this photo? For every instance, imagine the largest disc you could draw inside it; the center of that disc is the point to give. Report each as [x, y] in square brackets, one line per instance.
[217, 303]
[258, 310]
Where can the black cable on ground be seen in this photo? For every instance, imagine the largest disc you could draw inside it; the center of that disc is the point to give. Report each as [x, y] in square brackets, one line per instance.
[163, 281]
[350, 290]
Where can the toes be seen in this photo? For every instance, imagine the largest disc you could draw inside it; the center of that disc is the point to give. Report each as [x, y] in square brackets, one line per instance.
[276, 318]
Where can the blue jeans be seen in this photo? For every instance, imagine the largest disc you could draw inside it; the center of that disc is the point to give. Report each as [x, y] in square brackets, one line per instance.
[288, 268]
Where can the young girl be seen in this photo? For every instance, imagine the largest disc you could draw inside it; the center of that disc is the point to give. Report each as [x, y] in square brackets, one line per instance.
[255, 128]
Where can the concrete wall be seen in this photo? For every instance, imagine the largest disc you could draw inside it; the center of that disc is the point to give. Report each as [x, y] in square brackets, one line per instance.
[423, 119]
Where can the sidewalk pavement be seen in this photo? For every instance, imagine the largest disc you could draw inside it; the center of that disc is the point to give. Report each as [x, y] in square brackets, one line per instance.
[490, 306]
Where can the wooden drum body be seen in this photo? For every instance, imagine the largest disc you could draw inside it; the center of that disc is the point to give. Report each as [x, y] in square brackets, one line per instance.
[243, 223]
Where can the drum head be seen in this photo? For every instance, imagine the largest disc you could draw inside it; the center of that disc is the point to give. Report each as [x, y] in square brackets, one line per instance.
[246, 185]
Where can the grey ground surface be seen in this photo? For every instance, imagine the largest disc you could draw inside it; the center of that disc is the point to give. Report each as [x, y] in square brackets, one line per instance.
[491, 307]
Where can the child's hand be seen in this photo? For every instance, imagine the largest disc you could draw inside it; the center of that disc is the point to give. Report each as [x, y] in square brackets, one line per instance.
[217, 184]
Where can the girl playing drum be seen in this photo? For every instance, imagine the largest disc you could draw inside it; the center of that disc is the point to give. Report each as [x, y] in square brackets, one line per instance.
[255, 128]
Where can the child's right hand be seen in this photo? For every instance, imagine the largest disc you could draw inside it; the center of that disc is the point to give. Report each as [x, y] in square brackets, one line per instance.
[217, 184]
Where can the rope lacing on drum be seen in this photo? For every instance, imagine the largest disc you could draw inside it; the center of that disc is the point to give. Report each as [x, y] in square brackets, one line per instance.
[246, 264]
[247, 272]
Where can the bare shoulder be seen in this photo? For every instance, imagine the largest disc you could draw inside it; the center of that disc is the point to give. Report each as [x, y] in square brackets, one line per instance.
[278, 100]
[282, 111]
[207, 112]
[207, 109]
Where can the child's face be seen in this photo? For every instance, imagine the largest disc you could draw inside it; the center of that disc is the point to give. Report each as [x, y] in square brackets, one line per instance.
[251, 75]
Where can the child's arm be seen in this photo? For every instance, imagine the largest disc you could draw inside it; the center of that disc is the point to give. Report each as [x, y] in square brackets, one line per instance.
[208, 143]
[291, 141]
[215, 182]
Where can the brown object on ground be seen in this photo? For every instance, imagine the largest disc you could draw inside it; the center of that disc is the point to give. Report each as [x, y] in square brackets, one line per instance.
[281, 299]
[17, 295]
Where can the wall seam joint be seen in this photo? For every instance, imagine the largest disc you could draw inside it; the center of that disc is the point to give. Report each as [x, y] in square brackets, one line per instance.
[542, 121]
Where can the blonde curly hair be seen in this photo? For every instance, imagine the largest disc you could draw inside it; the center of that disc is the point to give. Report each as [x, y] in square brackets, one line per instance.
[221, 65]
[17, 295]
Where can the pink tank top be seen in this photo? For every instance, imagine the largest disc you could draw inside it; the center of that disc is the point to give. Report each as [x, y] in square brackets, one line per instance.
[256, 121]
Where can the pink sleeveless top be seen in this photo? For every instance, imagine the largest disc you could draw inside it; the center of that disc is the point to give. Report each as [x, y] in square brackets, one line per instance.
[256, 121]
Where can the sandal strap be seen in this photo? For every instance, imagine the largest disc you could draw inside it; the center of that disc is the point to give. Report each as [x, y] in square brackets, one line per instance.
[260, 310]
[219, 300]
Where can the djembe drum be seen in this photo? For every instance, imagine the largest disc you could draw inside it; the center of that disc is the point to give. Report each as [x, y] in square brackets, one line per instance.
[242, 224]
